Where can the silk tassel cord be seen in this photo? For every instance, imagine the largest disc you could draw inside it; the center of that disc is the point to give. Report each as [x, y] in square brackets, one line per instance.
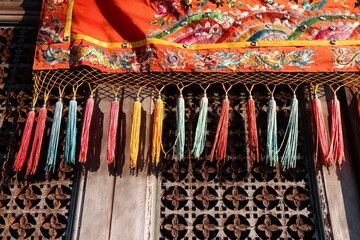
[37, 142]
[135, 133]
[288, 159]
[201, 127]
[84, 142]
[336, 149]
[253, 142]
[180, 122]
[54, 137]
[321, 132]
[221, 136]
[157, 130]
[271, 141]
[113, 125]
[70, 136]
[25, 141]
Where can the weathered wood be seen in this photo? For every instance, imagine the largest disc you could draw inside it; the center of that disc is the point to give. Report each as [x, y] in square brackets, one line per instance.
[128, 219]
[96, 216]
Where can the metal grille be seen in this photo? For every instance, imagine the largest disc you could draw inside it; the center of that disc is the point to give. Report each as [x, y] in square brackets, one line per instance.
[36, 207]
[207, 200]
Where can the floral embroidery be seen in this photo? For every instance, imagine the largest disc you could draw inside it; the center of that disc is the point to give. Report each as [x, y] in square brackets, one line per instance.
[344, 58]
[50, 32]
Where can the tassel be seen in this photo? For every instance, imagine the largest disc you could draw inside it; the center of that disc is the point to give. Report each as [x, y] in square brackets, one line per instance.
[25, 140]
[54, 138]
[70, 137]
[113, 125]
[252, 131]
[288, 159]
[157, 130]
[221, 135]
[135, 133]
[201, 128]
[84, 142]
[180, 121]
[36, 147]
[271, 141]
[359, 107]
[321, 131]
[336, 149]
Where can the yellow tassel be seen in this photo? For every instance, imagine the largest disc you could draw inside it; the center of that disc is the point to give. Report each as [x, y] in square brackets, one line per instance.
[157, 131]
[135, 133]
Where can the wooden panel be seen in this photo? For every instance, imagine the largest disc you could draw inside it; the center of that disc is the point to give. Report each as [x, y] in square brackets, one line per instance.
[97, 206]
[130, 190]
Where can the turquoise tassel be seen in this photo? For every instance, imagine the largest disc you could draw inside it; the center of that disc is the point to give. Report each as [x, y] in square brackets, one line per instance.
[180, 120]
[54, 138]
[271, 143]
[201, 128]
[288, 159]
[70, 138]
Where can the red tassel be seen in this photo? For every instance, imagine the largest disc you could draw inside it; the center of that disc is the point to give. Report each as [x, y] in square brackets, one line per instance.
[321, 129]
[252, 131]
[113, 124]
[221, 135]
[25, 141]
[84, 144]
[36, 147]
[336, 149]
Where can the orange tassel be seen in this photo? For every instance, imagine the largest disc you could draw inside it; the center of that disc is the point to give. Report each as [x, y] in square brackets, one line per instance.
[113, 124]
[85, 130]
[252, 131]
[221, 136]
[25, 141]
[157, 131]
[37, 143]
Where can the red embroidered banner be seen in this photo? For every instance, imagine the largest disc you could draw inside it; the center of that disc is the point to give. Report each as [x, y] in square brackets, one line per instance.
[202, 35]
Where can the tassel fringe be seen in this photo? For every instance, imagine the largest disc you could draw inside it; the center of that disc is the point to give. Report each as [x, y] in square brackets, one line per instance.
[290, 153]
[336, 150]
[70, 137]
[252, 131]
[37, 143]
[271, 143]
[157, 131]
[201, 128]
[180, 121]
[84, 143]
[113, 125]
[135, 133]
[25, 141]
[54, 138]
[221, 135]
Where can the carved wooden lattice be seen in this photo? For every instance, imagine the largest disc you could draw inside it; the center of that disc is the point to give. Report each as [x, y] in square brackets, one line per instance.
[37, 207]
[206, 200]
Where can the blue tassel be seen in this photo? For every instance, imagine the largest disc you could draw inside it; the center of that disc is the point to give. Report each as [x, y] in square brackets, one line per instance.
[201, 128]
[288, 159]
[70, 138]
[54, 138]
[271, 143]
[180, 120]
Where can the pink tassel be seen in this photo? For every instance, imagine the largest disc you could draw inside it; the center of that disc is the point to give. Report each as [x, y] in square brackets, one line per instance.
[221, 135]
[36, 147]
[336, 149]
[321, 129]
[84, 144]
[113, 124]
[252, 131]
[25, 141]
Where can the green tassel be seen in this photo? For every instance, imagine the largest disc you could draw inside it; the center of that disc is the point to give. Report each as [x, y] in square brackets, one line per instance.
[271, 143]
[288, 159]
[70, 138]
[201, 128]
[180, 121]
[54, 138]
